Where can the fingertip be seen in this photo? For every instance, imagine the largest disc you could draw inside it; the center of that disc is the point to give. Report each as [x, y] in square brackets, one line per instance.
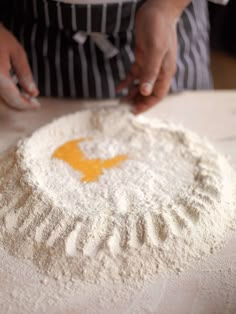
[32, 102]
[35, 103]
[146, 89]
[28, 85]
[32, 89]
[136, 110]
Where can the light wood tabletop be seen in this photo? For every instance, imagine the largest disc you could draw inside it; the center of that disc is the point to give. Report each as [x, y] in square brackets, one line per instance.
[209, 287]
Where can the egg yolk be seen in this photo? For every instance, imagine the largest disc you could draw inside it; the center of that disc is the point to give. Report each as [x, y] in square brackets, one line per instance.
[91, 169]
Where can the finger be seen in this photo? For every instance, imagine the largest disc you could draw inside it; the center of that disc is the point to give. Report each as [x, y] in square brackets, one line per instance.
[143, 103]
[163, 83]
[150, 71]
[161, 87]
[130, 78]
[133, 92]
[23, 72]
[125, 83]
[12, 97]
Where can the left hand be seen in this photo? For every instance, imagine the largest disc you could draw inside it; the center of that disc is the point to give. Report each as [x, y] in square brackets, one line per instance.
[13, 57]
[155, 54]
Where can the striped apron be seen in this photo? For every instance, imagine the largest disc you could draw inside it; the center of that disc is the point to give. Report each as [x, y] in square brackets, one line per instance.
[65, 67]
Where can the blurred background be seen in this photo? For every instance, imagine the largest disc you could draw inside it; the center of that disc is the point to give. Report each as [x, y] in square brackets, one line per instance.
[223, 44]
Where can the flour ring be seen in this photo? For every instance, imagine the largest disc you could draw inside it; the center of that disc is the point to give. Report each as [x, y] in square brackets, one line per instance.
[150, 215]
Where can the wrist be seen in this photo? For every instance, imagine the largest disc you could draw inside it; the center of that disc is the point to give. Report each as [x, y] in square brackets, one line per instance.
[172, 8]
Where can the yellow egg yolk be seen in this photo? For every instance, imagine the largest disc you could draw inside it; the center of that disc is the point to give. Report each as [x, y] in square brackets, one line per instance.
[91, 169]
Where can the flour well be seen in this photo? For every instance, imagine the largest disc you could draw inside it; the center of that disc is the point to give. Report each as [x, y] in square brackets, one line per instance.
[169, 204]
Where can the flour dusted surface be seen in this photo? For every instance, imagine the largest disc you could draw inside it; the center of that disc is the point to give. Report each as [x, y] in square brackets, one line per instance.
[169, 204]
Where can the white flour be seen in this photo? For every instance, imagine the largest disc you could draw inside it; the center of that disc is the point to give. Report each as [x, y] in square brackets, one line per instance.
[169, 204]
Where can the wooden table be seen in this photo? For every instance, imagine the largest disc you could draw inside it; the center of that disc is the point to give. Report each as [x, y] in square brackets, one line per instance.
[208, 288]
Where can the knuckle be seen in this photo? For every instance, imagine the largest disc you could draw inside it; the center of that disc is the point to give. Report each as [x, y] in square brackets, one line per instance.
[155, 47]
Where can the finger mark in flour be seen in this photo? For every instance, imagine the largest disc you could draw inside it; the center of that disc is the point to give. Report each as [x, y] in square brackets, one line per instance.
[151, 230]
[204, 173]
[15, 203]
[63, 231]
[212, 185]
[41, 222]
[84, 234]
[57, 233]
[210, 163]
[27, 216]
[13, 213]
[209, 184]
[194, 212]
[11, 221]
[92, 247]
[71, 241]
[24, 207]
[133, 239]
[97, 242]
[211, 172]
[45, 225]
[69, 225]
[171, 224]
[163, 227]
[11, 183]
[122, 226]
[212, 190]
[204, 196]
[181, 219]
[140, 230]
[192, 207]
[113, 242]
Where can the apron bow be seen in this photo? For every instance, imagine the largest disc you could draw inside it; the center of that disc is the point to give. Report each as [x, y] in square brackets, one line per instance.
[100, 40]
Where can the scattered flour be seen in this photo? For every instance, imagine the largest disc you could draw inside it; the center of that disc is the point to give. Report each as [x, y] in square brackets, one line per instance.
[165, 207]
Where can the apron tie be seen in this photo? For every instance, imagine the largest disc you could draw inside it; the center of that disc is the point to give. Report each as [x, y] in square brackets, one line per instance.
[100, 40]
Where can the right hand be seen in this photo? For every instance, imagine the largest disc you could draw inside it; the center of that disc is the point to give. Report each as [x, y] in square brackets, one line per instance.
[13, 56]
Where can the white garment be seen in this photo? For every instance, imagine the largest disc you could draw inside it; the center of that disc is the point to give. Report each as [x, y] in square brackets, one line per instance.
[115, 1]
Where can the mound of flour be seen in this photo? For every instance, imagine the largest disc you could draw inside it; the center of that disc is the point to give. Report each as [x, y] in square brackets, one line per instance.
[169, 204]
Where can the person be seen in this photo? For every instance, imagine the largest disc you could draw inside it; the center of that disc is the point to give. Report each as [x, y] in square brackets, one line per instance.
[136, 49]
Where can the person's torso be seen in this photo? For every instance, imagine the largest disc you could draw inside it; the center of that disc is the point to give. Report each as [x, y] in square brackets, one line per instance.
[63, 47]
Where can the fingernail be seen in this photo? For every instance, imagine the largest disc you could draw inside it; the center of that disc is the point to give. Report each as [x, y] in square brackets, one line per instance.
[35, 103]
[32, 87]
[146, 88]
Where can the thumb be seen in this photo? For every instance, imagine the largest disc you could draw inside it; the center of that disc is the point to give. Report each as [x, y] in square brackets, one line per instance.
[23, 71]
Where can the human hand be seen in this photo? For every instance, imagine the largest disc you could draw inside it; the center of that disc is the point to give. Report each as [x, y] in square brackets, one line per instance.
[13, 57]
[155, 53]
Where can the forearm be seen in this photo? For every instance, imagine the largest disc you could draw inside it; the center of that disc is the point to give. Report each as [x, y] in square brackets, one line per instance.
[173, 8]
